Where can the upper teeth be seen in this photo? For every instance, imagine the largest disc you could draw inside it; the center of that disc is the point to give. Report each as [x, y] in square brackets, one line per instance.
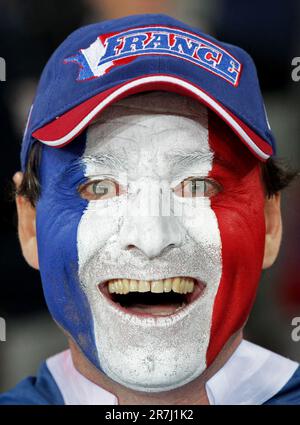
[181, 285]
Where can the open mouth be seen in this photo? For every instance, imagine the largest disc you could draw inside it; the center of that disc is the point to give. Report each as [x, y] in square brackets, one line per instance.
[163, 297]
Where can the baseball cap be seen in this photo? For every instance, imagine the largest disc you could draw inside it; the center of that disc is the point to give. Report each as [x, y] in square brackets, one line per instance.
[104, 62]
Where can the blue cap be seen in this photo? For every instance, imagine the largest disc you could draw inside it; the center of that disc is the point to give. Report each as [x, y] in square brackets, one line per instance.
[102, 63]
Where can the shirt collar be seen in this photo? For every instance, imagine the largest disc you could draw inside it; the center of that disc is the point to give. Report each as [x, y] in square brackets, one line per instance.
[252, 375]
[74, 387]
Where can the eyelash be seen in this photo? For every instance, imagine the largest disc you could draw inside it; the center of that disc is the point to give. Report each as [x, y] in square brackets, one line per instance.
[83, 189]
[119, 190]
[215, 186]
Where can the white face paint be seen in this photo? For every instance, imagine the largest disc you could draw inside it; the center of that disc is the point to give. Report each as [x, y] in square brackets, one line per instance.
[145, 132]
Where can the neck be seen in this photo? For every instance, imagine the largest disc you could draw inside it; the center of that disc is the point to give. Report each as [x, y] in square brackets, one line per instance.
[193, 393]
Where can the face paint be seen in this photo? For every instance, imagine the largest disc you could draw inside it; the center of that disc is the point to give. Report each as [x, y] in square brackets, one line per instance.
[144, 142]
[59, 211]
[239, 209]
[150, 353]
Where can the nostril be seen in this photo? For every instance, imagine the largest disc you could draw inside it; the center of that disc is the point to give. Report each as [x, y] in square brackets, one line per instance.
[130, 247]
[167, 248]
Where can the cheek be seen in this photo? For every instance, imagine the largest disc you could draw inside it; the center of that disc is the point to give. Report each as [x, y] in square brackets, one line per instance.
[240, 218]
[201, 227]
[99, 228]
[198, 220]
[57, 222]
[57, 245]
[59, 213]
[60, 208]
[58, 257]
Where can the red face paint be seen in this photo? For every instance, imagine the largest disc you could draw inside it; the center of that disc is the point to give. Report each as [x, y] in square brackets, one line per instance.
[239, 209]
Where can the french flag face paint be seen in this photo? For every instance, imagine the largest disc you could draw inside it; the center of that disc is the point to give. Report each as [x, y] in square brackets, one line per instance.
[239, 209]
[59, 211]
[188, 210]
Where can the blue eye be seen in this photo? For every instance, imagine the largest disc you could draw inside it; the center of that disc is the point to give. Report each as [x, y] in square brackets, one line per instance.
[101, 189]
[196, 187]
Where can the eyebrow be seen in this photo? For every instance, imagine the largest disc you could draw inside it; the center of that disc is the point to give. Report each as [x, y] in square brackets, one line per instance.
[224, 162]
[180, 160]
[106, 160]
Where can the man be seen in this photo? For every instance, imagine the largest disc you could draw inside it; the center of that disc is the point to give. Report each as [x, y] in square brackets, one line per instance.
[151, 223]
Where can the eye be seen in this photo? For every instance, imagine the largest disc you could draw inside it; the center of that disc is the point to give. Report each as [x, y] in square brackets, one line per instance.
[196, 187]
[100, 189]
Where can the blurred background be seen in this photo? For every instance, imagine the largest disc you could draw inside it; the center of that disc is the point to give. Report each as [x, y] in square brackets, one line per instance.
[29, 32]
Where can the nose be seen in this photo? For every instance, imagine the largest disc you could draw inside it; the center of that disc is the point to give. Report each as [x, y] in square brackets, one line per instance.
[151, 235]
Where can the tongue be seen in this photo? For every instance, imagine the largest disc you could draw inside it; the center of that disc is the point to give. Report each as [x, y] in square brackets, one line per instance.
[157, 309]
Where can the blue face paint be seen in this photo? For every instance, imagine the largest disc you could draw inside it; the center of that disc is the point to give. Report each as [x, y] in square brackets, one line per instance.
[59, 211]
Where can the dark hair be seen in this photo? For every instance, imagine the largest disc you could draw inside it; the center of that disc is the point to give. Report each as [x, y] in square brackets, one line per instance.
[30, 186]
[276, 176]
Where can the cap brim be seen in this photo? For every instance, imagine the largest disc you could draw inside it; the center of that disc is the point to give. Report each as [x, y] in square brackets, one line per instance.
[66, 127]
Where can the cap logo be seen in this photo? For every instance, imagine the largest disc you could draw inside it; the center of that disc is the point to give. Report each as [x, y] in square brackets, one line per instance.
[111, 50]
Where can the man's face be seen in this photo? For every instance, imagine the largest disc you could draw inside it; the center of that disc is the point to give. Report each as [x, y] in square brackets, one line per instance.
[151, 238]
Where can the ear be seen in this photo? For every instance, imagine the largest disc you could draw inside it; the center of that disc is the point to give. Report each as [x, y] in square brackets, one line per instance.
[273, 229]
[26, 226]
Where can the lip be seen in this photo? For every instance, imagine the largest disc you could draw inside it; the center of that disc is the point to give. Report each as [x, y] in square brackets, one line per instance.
[190, 299]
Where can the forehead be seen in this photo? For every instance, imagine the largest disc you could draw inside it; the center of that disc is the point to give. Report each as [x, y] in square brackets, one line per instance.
[158, 131]
[160, 128]
[149, 122]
